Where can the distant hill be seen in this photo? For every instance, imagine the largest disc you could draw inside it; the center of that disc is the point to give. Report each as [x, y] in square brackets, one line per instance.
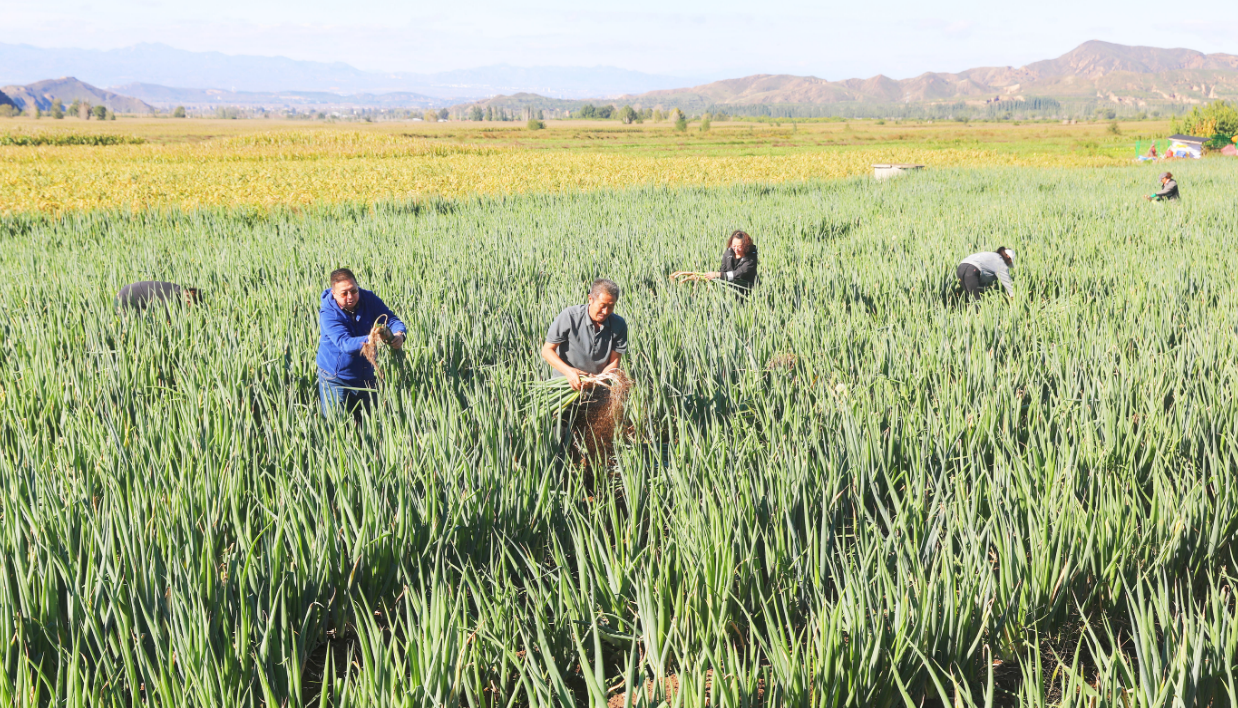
[1093, 69]
[1094, 73]
[520, 101]
[68, 90]
[162, 65]
[166, 96]
[6, 101]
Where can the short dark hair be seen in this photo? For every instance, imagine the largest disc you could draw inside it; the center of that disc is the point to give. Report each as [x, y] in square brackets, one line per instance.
[339, 275]
[605, 285]
[1001, 251]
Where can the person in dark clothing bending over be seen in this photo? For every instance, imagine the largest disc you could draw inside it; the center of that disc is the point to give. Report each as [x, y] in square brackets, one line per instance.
[586, 340]
[739, 262]
[980, 270]
[346, 318]
[1169, 189]
[139, 296]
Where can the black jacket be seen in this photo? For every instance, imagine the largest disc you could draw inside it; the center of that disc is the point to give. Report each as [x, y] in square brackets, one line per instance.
[741, 272]
[139, 295]
[1168, 191]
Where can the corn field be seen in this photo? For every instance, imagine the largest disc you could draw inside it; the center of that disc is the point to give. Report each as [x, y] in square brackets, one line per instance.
[306, 168]
[846, 490]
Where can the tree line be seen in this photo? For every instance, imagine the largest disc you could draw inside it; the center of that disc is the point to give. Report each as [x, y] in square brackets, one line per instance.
[1217, 121]
[626, 114]
[57, 110]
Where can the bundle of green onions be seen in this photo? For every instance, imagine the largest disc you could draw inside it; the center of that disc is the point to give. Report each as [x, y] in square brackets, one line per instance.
[556, 393]
[690, 276]
[369, 350]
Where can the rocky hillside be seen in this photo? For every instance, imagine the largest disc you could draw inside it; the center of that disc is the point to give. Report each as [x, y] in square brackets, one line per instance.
[1093, 69]
[68, 90]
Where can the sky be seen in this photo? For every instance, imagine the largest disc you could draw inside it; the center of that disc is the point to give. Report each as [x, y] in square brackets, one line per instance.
[708, 39]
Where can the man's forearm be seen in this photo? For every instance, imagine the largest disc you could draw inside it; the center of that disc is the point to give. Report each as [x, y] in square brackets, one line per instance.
[613, 364]
[349, 344]
[556, 362]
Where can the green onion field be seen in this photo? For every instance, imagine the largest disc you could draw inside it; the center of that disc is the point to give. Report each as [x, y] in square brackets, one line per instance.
[848, 490]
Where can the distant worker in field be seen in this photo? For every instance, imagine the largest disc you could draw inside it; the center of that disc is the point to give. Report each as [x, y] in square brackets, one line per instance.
[353, 322]
[980, 270]
[1169, 189]
[584, 345]
[739, 264]
[139, 296]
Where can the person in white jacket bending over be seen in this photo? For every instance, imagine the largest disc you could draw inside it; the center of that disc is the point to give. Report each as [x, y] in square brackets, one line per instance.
[980, 270]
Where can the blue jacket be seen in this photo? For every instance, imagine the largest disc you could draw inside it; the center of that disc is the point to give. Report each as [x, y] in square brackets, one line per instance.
[339, 348]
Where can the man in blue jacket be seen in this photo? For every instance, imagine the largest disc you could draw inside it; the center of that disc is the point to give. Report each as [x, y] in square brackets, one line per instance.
[346, 319]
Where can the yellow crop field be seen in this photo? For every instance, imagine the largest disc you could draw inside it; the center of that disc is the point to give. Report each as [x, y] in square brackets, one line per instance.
[329, 164]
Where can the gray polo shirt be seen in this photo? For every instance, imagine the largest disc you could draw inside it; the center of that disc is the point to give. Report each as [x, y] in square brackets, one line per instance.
[582, 345]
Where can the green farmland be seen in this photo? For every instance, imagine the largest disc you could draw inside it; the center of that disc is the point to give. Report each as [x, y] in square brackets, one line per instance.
[849, 490]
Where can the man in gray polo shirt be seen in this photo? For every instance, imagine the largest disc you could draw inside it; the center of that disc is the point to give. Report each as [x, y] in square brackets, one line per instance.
[588, 338]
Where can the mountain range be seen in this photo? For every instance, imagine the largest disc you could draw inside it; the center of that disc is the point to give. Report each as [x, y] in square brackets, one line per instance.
[147, 98]
[167, 97]
[162, 65]
[1094, 69]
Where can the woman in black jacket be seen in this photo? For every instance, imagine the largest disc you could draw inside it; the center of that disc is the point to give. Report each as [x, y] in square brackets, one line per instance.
[1169, 189]
[739, 262]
